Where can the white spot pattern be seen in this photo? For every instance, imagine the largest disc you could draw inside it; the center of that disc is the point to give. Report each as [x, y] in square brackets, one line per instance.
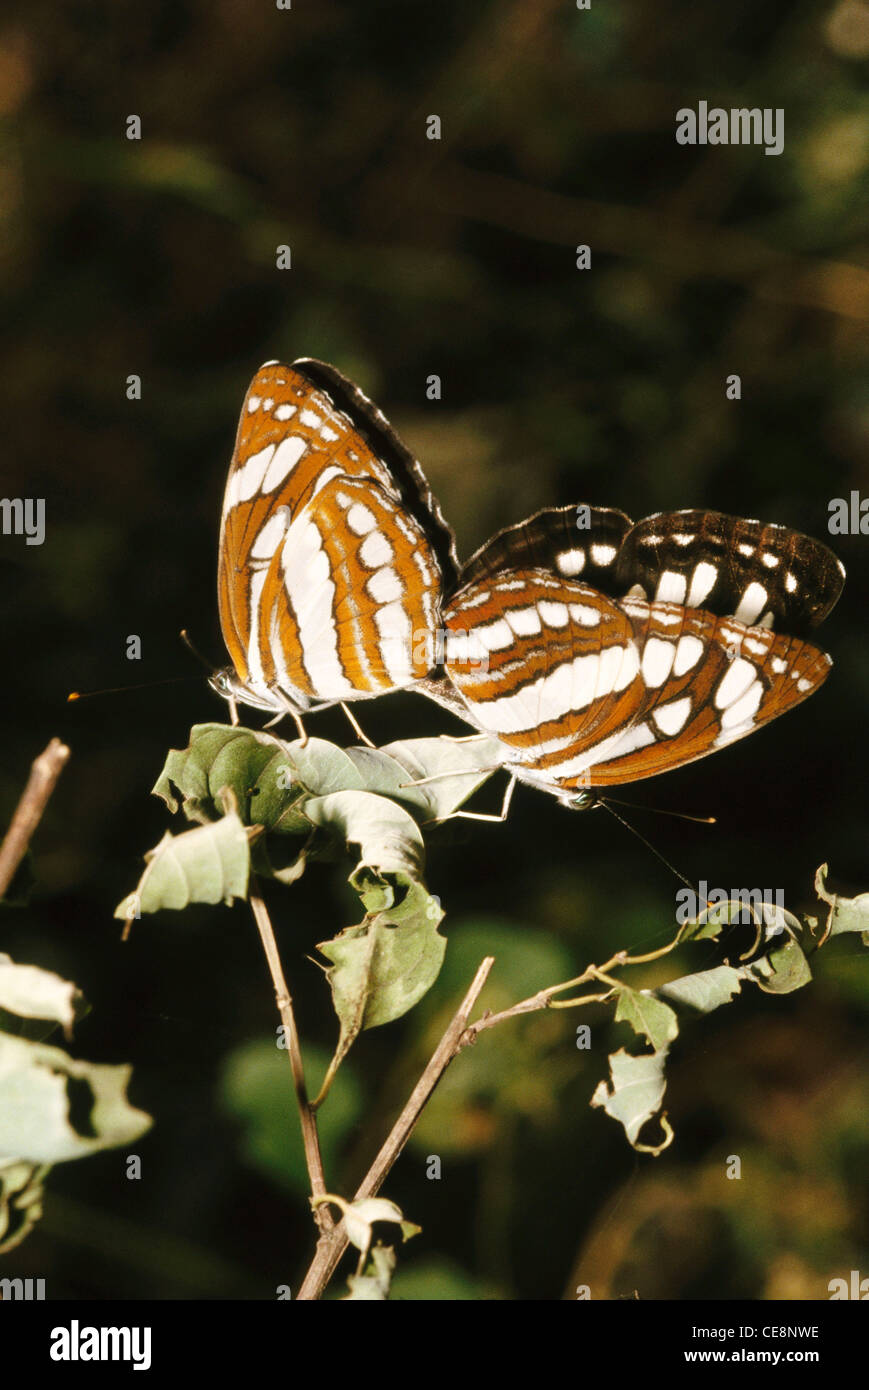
[384, 586]
[287, 455]
[375, 550]
[752, 603]
[570, 562]
[671, 718]
[671, 587]
[688, 652]
[702, 582]
[658, 657]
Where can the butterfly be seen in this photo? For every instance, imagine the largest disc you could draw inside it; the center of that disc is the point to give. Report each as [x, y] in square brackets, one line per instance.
[334, 553]
[599, 651]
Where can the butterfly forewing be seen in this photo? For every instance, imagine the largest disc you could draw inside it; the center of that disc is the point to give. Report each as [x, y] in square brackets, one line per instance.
[333, 550]
[580, 543]
[762, 574]
[406, 479]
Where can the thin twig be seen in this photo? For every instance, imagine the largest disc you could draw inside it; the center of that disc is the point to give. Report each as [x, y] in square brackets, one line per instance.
[310, 1137]
[459, 1035]
[28, 813]
[546, 998]
[332, 1245]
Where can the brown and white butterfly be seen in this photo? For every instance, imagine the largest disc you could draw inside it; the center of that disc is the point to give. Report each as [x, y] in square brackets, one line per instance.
[600, 652]
[334, 554]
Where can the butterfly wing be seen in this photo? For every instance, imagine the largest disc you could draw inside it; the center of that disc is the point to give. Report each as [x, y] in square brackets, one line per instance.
[539, 660]
[573, 542]
[742, 678]
[759, 573]
[333, 550]
[584, 691]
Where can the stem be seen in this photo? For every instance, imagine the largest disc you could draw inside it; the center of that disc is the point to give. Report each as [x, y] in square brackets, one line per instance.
[333, 1243]
[545, 998]
[458, 1035]
[310, 1137]
[44, 773]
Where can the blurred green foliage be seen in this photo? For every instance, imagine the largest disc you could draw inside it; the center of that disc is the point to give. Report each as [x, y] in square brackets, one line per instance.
[257, 1089]
[306, 127]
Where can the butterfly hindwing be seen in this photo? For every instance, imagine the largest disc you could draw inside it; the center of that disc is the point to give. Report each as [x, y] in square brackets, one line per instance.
[720, 680]
[537, 658]
[584, 691]
[350, 597]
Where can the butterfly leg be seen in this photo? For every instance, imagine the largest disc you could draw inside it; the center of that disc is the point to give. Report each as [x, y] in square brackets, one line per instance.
[303, 733]
[233, 711]
[469, 738]
[355, 723]
[500, 817]
[457, 772]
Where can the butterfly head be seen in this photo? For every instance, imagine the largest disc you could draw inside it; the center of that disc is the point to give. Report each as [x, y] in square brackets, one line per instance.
[226, 682]
[230, 685]
[580, 801]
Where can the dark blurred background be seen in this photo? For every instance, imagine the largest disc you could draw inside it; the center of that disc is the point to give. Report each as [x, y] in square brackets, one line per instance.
[412, 257]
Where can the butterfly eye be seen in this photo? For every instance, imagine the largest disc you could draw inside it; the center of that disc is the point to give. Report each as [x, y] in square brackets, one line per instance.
[221, 681]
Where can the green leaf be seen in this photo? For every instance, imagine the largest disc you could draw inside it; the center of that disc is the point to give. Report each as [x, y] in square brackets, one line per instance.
[707, 925]
[29, 992]
[647, 1016]
[782, 970]
[635, 1093]
[704, 991]
[271, 778]
[360, 1216]
[36, 1122]
[388, 770]
[846, 914]
[383, 967]
[322, 767]
[388, 837]
[255, 766]
[210, 864]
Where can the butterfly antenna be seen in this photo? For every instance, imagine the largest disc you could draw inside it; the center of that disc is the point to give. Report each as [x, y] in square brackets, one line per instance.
[186, 639]
[119, 689]
[660, 811]
[673, 870]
